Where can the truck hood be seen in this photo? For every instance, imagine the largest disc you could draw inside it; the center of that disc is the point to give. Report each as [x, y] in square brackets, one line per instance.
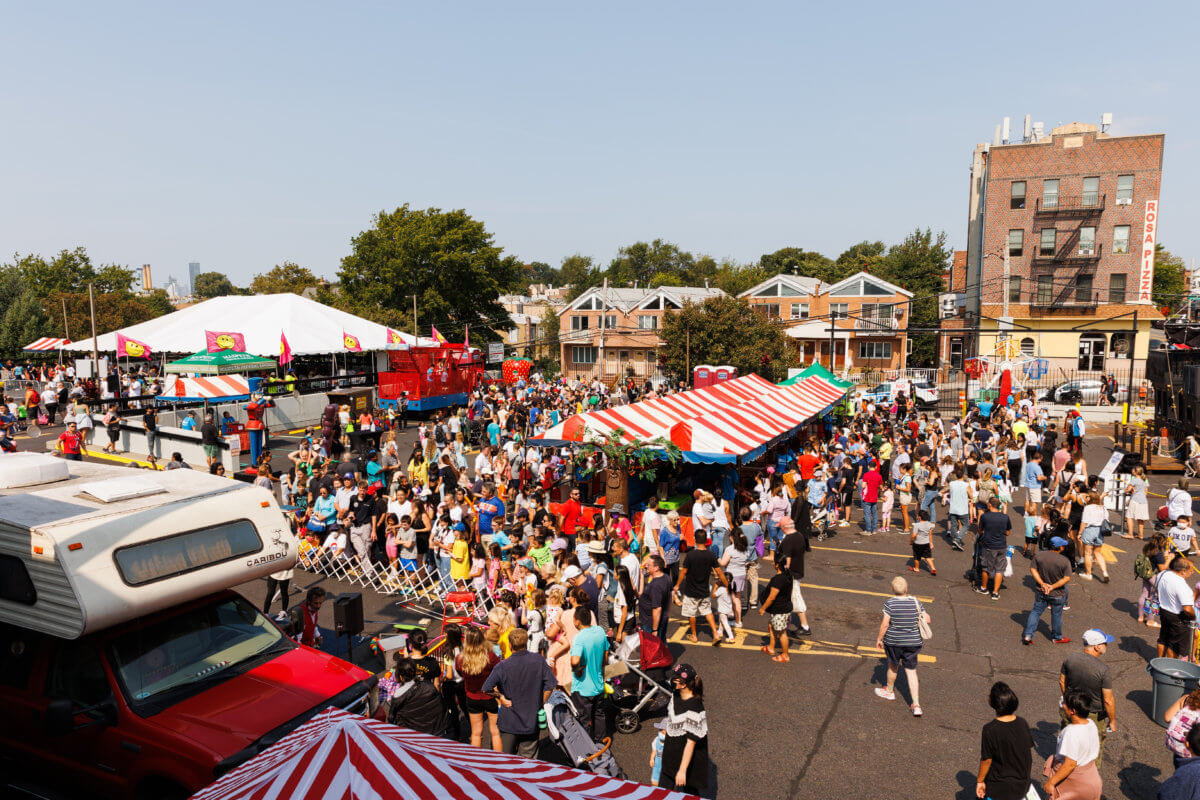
[235, 713]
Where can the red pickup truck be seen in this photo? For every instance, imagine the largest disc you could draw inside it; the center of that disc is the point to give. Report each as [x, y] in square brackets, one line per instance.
[163, 706]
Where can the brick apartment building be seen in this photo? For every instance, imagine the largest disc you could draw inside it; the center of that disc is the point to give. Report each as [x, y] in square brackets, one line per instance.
[613, 332]
[869, 318]
[1060, 249]
[525, 334]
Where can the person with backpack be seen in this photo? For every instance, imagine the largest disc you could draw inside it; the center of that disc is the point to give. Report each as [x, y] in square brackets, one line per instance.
[1147, 566]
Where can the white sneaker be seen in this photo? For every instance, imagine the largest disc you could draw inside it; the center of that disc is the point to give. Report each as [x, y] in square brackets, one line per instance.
[884, 693]
[844, 523]
[737, 624]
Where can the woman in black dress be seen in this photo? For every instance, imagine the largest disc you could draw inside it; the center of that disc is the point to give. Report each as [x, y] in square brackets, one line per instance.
[685, 752]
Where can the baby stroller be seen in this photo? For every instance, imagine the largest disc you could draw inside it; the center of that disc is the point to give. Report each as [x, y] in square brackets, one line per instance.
[645, 685]
[565, 730]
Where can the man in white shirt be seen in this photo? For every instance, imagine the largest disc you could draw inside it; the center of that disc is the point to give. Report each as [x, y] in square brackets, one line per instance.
[651, 525]
[483, 463]
[1176, 609]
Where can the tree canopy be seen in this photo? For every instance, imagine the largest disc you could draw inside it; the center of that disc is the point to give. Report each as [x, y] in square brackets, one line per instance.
[918, 264]
[208, 285]
[283, 278]
[724, 330]
[446, 258]
[1168, 278]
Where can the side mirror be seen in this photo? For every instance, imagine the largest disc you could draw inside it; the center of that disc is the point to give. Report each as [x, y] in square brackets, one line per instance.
[60, 716]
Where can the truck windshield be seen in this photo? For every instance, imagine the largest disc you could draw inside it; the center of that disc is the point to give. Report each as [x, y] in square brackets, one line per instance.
[170, 660]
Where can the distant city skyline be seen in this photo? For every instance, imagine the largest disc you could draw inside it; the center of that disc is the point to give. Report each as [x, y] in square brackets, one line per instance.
[729, 130]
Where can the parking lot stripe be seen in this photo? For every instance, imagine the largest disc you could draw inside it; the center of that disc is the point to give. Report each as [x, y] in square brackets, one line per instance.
[850, 591]
[798, 647]
[864, 552]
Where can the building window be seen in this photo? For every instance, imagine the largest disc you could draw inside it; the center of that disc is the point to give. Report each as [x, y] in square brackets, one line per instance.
[770, 310]
[839, 310]
[1116, 289]
[956, 353]
[1083, 289]
[1050, 193]
[1017, 195]
[877, 310]
[799, 310]
[1120, 238]
[1049, 244]
[579, 323]
[1014, 289]
[874, 350]
[610, 321]
[1016, 243]
[1091, 192]
[1087, 241]
[1124, 189]
[1045, 288]
[1028, 347]
[583, 355]
[1118, 345]
[648, 322]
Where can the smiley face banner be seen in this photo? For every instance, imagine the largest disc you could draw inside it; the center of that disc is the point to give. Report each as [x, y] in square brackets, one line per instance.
[131, 348]
[221, 341]
[351, 343]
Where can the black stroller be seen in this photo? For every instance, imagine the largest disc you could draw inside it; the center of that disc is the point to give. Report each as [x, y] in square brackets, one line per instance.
[568, 732]
[645, 687]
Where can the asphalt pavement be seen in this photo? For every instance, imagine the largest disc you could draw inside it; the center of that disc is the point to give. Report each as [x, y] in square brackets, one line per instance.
[814, 727]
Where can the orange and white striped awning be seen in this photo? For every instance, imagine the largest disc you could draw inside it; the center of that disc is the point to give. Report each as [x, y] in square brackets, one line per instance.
[212, 386]
[47, 343]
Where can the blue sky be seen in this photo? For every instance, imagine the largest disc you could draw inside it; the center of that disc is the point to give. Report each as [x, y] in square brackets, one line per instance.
[240, 135]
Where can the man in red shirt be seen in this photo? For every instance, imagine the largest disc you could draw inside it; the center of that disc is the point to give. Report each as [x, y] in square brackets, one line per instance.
[304, 618]
[869, 486]
[808, 463]
[570, 518]
[70, 444]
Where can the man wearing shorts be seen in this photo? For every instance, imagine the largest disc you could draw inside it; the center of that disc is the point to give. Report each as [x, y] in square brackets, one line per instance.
[1176, 609]
[210, 440]
[993, 547]
[1034, 478]
[693, 589]
[791, 553]
[406, 543]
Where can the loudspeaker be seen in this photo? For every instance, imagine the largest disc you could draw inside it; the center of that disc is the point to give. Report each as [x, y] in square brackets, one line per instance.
[348, 614]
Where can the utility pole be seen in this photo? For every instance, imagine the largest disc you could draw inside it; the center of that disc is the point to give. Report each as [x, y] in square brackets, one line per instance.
[688, 351]
[1007, 273]
[66, 329]
[832, 322]
[1132, 351]
[603, 311]
[95, 357]
[415, 331]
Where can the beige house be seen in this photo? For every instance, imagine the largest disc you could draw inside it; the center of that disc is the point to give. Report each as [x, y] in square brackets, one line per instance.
[526, 332]
[611, 333]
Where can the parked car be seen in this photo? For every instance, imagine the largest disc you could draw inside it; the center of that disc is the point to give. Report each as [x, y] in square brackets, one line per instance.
[1086, 391]
[924, 391]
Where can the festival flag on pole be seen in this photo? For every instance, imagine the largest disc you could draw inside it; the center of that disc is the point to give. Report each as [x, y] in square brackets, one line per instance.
[394, 337]
[219, 341]
[131, 348]
[466, 337]
[440, 339]
[285, 349]
[351, 343]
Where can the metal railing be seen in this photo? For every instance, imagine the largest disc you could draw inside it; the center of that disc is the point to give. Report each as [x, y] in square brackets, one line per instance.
[879, 327]
[1072, 250]
[1087, 202]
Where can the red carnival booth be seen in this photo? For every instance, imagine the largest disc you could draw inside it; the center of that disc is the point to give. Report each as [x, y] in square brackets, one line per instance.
[432, 377]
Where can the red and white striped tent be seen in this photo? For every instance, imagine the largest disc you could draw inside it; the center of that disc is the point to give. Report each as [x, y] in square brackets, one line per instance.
[47, 343]
[743, 431]
[212, 386]
[340, 756]
[652, 418]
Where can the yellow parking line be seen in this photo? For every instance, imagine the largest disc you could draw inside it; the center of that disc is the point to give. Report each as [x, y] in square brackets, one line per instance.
[798, 647]
[864, 552]
[849, 591]
[120, 459]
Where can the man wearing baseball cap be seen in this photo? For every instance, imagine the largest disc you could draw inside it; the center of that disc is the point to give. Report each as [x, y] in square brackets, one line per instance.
[1051, 572]
[1085, 672]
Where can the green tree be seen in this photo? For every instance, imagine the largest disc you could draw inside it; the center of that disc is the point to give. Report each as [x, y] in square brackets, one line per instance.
[537, 272]
[283, 278]
[112, 279]
[69, 271]
[212, 284]
[446, 258]
[157, 301]
[1168, 279]
[864, 256]
[549, 347]
[23, 322]
[919, 264]
[733, 279]
[639, 262]
[724, 330]
[805, 263]
[112, 311]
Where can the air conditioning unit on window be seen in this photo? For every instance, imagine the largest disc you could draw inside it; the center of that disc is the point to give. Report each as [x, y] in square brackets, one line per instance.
[1124, 201]
[1086, 252]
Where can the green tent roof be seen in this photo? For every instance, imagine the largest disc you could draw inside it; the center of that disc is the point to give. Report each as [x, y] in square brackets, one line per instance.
[819, 371]
[224, 362]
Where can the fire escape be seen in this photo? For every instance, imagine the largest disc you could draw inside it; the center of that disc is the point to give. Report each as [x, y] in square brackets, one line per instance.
[1069, 262]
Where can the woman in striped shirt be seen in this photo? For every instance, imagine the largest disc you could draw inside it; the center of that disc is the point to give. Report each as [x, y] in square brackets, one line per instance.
[900, 639]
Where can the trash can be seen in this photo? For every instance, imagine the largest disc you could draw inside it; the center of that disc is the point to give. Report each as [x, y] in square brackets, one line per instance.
[1172, 680]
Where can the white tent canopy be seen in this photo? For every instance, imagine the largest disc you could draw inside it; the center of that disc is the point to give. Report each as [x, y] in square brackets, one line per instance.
[311, 327]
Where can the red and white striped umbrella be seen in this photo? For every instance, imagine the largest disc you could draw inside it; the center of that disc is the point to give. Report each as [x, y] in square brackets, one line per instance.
[47, 343]
[747, 426]
[652, 418]
[340, 756]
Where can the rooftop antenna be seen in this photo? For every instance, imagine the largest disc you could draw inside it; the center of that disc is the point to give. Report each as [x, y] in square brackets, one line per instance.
[1027, 130]
[1105, 121]
[1004, 134]
[996, 136]
[1039, 130]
